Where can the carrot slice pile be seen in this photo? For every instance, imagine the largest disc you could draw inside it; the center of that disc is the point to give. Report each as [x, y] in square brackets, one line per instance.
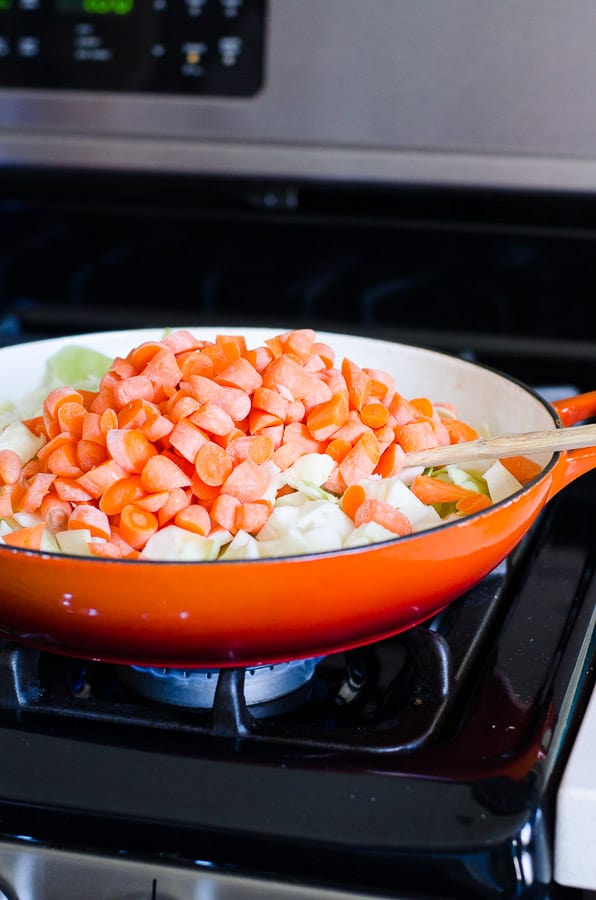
[184, 431]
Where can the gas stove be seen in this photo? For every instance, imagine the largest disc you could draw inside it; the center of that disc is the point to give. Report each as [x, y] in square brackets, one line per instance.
[423, 173]
[426, 765]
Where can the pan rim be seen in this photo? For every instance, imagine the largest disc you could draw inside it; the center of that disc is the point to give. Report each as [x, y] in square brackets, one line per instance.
[302, 557]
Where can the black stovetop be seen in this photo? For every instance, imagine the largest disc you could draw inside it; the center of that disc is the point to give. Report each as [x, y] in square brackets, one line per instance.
[414, 765]
[426, 765]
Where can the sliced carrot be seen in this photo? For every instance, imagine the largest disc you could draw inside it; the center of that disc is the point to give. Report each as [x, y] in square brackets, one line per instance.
[424, 406]
[391, 461]
[259, 420]
[213, 464]
[162, 369]
[270, 401]
[361, 461]
[275, 432]
[160, 473]
[248, 481]
[205, 492]
[187, 438]
[180, 341]
[297, 433]
[402, 411]
[104, 399]
[251, 517]
[235, 402]
[134, 413]
[358, 384]
[70, 417]
[459, 431]
[97, 480]
[9, 494]
[522, 468]
[178, 499]
[326, 353]
[72, 489]
[338, 449]
[222, 354]
[129, 448]
[144, 353]
[353, 429]
[122, 367]
[36, 425]
[181, 405]
[260, 357]
[223, 511]
[258, 447]
[383, 514]
[213, 418]
[63, 461]
[153, 502]
[55, 512]
[240, 374]
[10, 466]
[108, 420]
[92, 430]
[286, 455]
[226, 339]
[300, 342]
[137, 525]
[324, 419]
[195, 363]
[433, 490]
[296, 412]
[469, 505]
[283, 371]
[37, 488]
[385, 437]
[157, 427]
[416, 436]
[90, 517]
[320, 393]
[28, 537]
[195, 518]
[120, 494]
[57, 397]
[353, 497]
[374, 414]
[383, 384]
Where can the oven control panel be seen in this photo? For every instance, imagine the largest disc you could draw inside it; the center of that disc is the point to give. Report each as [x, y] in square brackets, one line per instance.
[204, 47]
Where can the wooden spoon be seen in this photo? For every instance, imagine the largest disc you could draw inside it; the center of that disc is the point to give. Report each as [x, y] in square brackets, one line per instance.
[506, 445]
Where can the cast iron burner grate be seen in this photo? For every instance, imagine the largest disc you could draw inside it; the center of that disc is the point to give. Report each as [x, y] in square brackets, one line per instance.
[487, 666]
[387, 697]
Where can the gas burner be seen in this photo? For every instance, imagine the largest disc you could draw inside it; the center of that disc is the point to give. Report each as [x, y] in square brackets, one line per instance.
[195, 688]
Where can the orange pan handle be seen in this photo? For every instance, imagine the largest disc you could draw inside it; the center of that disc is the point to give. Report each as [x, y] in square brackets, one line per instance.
[574, 463]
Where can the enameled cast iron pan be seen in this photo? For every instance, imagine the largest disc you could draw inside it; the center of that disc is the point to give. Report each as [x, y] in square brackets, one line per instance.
[218, 614]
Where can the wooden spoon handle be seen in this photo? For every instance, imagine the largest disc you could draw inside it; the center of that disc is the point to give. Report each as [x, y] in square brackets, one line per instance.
[505, 445]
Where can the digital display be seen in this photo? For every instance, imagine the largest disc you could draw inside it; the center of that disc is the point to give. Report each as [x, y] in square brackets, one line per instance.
[190, 47]
[93, 7]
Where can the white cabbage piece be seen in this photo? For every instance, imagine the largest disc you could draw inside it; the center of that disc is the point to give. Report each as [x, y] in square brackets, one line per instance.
[74, 541]
[397, 494]
[175, 543]
[500, 482]
[370, 533]
[17, 437]
[312, 468]
[242, 546]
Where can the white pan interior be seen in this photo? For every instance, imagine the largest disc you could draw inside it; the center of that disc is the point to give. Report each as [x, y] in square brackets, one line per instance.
[492, 403]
